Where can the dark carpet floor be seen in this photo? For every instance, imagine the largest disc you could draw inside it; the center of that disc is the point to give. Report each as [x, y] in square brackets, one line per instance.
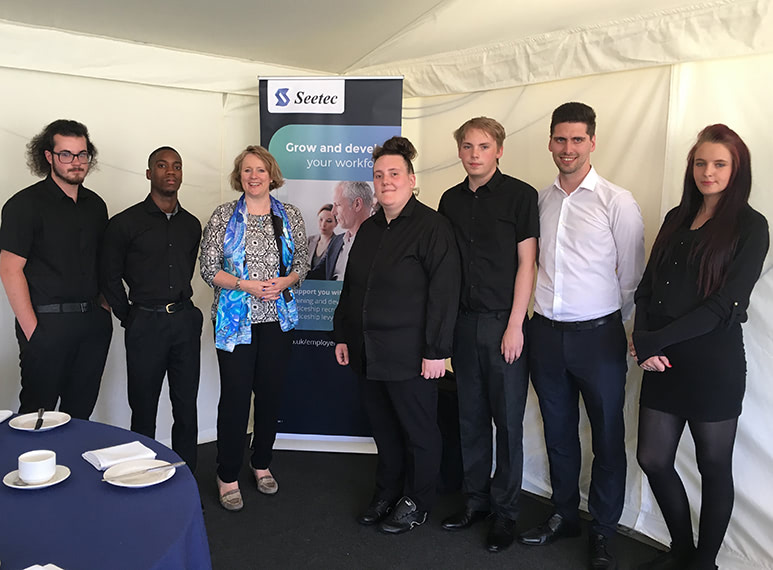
[310, 524]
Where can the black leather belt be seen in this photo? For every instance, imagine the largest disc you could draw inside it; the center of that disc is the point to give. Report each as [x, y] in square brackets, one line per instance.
[169, 308]
[83, 307]
[579, 325]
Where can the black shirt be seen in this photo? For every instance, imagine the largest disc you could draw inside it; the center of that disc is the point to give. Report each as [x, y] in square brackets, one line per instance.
[400, 293]
[669, 293]
[488, 224]
[59, 238]
[156, 256]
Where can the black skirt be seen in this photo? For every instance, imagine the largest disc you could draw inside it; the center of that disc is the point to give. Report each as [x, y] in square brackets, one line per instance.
[707, 378]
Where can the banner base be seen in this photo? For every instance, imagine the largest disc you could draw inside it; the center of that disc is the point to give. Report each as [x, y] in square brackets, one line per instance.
[326, 443]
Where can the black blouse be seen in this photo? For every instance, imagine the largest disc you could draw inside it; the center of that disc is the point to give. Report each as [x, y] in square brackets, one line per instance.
[400, 294]
[670, 293]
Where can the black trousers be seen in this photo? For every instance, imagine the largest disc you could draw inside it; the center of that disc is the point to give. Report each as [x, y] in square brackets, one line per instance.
[403, 418]
[489, 388]
[259, 367]
[63, 361]
[565, 364]
[158, 345]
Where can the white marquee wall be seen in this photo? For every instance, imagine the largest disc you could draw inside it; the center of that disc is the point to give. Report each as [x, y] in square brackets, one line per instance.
[647, 121]
[204, 107]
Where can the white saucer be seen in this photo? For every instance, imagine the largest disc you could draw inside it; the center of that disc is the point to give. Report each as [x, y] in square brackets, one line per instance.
[140, 479]
[51, 420]
[12, 479]
[4, 415]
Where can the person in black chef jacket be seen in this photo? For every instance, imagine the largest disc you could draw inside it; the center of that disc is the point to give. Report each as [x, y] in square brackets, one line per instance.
[687, 337]
[394, 325]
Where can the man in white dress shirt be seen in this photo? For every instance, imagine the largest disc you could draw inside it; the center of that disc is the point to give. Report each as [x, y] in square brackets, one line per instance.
[591, 258]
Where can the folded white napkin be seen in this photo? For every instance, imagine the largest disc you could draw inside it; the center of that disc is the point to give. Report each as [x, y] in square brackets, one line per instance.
[4, 415]
[109, 456]
[46, 567]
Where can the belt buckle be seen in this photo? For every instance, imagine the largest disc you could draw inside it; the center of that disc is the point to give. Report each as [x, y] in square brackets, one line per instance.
[169, 308]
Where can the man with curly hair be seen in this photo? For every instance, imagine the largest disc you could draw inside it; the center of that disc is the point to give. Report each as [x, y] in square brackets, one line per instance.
[49, 241]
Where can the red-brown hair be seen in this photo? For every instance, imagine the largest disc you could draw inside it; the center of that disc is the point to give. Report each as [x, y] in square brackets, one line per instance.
[716, 248]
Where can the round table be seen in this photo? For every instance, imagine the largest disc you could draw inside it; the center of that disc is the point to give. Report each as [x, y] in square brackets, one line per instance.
[83, 523]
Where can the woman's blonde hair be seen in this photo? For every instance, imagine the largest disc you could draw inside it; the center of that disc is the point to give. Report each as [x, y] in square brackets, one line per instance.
[271, 165]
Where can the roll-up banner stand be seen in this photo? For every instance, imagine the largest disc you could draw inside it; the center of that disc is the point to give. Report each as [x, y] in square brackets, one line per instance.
[322, 132]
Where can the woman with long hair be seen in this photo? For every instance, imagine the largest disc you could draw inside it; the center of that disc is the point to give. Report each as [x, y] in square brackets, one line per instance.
[318, 243]
[687, 337]
[253, 253]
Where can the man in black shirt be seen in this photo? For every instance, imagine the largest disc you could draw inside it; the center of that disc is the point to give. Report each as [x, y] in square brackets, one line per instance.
[496, 223]
[152, 246]
[49, 242]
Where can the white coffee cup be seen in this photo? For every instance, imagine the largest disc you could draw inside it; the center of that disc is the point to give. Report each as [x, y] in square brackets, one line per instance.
[37, 466]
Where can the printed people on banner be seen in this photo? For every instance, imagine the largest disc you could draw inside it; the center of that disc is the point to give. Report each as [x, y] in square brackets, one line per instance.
[318, 243]
[591, 257]
[352, 205]
[163, 327]
[496, 223]
[393, 326]
[49, 241]
[253, 252]
[688, 339]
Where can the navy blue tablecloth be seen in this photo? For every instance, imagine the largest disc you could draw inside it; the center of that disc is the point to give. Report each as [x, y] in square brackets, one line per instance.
[83, 523]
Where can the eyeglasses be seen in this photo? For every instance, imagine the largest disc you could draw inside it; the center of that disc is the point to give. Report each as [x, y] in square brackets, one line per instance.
[66, 157]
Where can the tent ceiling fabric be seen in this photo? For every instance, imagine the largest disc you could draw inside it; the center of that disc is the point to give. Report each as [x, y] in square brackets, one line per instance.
[328, 36]
[455, 25]
[440, 46]
[666, 32]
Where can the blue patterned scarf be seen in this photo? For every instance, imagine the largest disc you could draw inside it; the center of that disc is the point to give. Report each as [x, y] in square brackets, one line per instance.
[233, 324]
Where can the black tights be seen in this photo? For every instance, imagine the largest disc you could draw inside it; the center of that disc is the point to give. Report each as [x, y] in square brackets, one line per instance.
[659, 435]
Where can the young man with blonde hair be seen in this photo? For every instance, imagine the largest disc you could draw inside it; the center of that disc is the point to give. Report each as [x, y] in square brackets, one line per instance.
[496, 225]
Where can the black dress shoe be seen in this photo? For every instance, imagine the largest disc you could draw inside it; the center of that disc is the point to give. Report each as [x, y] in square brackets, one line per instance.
[377, 511]
[552, 529]
[463, 519]
[600, 558]
[404, 517]
[501, 534]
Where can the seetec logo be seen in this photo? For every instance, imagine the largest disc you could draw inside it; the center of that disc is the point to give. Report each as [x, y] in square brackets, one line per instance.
[306, 96]
[281, 97]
